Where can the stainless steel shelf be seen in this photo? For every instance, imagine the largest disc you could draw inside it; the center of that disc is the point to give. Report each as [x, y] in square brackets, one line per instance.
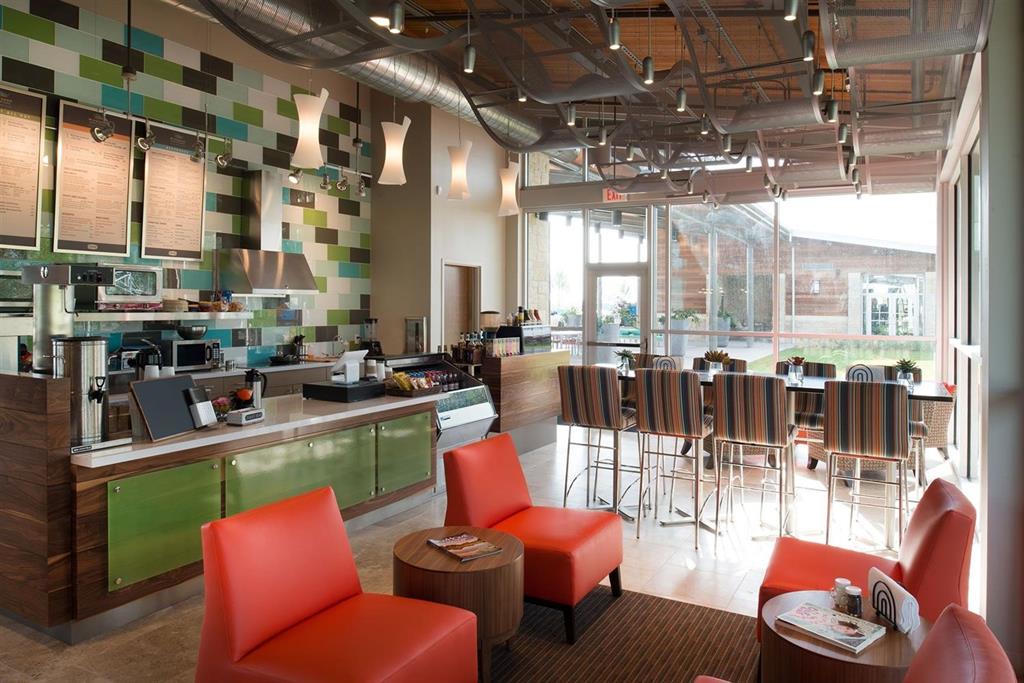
[125, 316]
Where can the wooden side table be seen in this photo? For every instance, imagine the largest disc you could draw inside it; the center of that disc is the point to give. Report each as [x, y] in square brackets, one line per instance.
[491, 587]
[790, 655]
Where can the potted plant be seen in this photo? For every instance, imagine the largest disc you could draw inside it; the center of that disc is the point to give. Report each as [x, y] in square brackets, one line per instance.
[682, 319]
[572, 317]
[717, 360]
[905, 370]
[796, 369]
[627, 361]
[725, 323]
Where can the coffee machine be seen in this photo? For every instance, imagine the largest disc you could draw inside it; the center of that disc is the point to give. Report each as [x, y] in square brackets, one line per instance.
[83, 361]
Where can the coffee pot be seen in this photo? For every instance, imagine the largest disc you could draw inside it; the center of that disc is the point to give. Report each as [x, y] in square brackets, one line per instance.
[256, 382]
[147, 362]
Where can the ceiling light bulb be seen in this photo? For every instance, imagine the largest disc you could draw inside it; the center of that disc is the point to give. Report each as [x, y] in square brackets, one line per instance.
[145, 143]
[664, 174]
[295, 176]
[396, 17]
[750, 164]
[223, 160]
[832, 111]
[767, 182]
[630, 152]
[602, 136]
[614, 35]
[727, 143]
[570, 115]
[705, 124]
[791, 9]
[648, 69]
[468, 59]
[198, 150]
[855, 176]
[342, 183]
[325, 182]
[362, 187]
[808, 45]
[844, 133]
[520, 95]
[705, 196]
[689, 186]
[818, 82]
[681, 99]
[103, 131]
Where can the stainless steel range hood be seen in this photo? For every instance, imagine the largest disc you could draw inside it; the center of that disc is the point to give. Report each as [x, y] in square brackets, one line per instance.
[259, 267]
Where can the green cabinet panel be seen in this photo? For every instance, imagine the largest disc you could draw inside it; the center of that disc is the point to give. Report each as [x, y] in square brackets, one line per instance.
[153, 520]
[404, 452]
[342, 459]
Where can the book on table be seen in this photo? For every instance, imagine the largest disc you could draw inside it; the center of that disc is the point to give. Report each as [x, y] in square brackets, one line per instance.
[833, 627]
[465, 547]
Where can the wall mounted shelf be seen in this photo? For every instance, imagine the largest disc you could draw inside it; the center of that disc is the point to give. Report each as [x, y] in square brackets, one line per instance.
[127, 316]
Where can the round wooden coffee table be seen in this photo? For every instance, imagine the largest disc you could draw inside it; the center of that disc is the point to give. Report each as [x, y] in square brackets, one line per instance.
[491, 587]
[789, 655]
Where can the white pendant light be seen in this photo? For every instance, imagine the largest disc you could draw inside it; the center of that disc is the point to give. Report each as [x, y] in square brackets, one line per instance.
[307, 152]
[808, 45]
[791, 8]
[393, 172]
[509, 204]
[818, 84]
[396, 17]
[459, 188]
[681, 100]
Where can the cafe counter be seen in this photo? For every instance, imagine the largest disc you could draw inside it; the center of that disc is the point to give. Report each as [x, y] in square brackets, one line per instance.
[525, 393]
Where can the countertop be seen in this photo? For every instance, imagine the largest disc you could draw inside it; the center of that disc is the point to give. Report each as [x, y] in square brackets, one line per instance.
[283, 413]
[234, 372]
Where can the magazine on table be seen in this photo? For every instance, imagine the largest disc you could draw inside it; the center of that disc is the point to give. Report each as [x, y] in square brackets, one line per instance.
[842, 630]
[465, 547]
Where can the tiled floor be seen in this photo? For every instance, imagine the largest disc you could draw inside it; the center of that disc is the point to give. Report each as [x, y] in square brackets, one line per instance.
[162, 647]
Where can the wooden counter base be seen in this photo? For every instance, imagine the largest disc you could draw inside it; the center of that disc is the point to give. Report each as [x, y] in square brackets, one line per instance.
[524, 388]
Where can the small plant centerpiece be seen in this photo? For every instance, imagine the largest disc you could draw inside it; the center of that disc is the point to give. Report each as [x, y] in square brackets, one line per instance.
[627, 361]
[905, 369]
[796, 369]
[717, 360]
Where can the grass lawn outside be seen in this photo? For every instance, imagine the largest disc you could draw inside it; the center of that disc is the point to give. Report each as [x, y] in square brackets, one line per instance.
[844, 353]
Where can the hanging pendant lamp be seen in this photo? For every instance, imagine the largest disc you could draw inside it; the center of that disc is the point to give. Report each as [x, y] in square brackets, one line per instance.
[509, 204]
[307, 152]
[459, 188]
[393, 172]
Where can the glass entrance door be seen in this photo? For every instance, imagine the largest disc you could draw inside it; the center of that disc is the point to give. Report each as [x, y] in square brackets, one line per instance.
[617, 312]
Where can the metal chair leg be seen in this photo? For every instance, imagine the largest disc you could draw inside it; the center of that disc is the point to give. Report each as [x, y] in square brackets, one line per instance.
[782, 495]
[854, 493]
[718, 491]
[830, 469]
[642, 443]
[568, 450]
[901, 473]
[696, 497]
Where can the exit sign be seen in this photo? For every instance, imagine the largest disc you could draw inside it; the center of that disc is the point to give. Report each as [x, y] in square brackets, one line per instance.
[611, 195]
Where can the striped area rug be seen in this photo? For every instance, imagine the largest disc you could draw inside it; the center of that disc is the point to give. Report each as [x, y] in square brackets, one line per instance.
[635, 638]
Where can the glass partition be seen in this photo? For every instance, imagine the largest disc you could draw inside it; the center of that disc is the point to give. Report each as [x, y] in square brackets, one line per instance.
[618, 235]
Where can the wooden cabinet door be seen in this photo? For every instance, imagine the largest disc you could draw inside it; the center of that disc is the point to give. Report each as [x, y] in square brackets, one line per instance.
[153, 520]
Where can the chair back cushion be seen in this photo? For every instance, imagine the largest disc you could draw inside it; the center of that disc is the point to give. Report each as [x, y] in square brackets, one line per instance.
[485, 483]
[751, 409]
[274, 566]
[865, 373]
[960, 648]
[668, 402]
[935, 556]
[591, 396]
[667, 363]
[808, 401]
[734, 365]
[866, 418]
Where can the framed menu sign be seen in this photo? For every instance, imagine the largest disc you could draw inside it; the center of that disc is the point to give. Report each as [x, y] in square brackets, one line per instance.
[174, 198]
[92, 209]
[22, 119]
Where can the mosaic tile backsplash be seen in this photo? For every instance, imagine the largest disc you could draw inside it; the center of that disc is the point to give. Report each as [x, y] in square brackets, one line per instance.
[65, 52]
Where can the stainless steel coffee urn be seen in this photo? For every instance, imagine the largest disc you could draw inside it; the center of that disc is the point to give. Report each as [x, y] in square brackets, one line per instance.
[83, 360]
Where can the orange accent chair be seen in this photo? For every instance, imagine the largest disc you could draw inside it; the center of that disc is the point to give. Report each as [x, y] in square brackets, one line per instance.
[284, 603]
[934, 561]
[960, 648]
[567, 551]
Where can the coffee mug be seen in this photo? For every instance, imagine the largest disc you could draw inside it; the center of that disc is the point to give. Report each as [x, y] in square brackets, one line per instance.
[151, 372]
[167, 371]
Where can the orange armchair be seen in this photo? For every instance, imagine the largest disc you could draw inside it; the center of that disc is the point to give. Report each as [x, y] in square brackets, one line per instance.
[567, 552]
[934, 561]
[284, 603]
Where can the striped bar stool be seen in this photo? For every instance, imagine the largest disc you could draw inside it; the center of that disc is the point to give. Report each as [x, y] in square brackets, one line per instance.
[918, 426]
[867, 421]
[669, 406]
[809, 407]
[750, 410]
[701, 365]
[592, 399]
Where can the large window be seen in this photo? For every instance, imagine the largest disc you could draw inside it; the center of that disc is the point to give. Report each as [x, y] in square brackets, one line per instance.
[554, 275]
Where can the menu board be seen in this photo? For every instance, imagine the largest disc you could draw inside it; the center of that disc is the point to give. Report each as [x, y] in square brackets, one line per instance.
[93, 183]
[22, 119]
[174, 197]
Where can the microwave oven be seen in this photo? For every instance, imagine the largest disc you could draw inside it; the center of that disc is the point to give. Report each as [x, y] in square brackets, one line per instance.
[191, 354]
[132, 288]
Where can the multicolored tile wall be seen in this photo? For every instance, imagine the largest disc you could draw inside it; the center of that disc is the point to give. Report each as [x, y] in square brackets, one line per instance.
[65, 52]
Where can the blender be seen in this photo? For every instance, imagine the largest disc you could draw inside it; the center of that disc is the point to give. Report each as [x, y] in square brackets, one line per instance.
[370, 341]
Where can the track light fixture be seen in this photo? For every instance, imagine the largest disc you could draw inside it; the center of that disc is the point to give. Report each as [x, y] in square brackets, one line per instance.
[630, 152]
[146, 142]
[396, 17]
[727, 143]
[855, 175]
[689, 186]
[225, 158]
[791, 9]
[767, 182]
[664, 174]
[705, 196]
[705, 124]
[808, 44]
[325, 181]
[832, 111]
[818, 82]
[468, 59]
[570, 115]
[648, 69]
[362, 187]
[844, 133]
[295, 176]
[520, 95]
[198, 150]
[602, 136]
[750, 164]
[103, 131]
[681, 99]
[342, 183]
[614, 34]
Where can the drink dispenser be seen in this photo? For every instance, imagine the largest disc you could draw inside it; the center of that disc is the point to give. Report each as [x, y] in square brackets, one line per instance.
[83, 360]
